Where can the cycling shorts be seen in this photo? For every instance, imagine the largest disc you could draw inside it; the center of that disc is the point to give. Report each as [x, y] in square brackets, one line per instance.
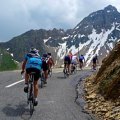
[80, 60]
[74, 62]
[37, 72]
[67, 62]
[94, 61]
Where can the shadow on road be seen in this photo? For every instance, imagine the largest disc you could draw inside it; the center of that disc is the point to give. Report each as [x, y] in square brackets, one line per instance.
[19, 110]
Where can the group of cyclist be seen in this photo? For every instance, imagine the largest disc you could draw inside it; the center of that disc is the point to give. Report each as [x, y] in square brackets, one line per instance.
[34, 63]
[71, 61]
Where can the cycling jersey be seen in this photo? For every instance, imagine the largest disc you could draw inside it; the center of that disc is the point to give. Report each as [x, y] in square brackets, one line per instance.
[33, 61]
[67, 60]
[74, 59]
[95, 59]
[81, 58]
[45, 63]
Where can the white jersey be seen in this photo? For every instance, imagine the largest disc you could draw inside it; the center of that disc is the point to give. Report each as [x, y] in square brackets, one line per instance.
[74, 59]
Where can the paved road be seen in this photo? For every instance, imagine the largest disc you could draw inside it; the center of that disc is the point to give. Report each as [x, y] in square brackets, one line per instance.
[56, 100]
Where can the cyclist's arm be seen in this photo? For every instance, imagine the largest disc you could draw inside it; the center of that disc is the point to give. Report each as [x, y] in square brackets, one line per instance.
[53, 62]
[23, 65]
[84, 60]
[97, 61]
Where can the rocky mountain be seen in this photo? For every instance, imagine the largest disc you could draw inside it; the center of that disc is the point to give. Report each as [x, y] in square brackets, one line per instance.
[95, 34]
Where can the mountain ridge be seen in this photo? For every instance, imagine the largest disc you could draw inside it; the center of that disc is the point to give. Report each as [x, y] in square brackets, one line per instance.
[95, 34]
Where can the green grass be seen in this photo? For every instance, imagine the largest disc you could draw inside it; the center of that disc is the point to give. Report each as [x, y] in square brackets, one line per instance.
[7, 62]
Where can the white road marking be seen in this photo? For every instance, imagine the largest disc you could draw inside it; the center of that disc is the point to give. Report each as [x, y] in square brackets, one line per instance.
[8, 86]
[14, 83]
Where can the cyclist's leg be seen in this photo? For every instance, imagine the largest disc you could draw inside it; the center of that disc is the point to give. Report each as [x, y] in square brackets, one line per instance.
[46, 74]
[35, 88]
[45, 70]
[26, 80]
[81, 64]
[94, 65]
[48, 68]
[36, 78]
[65, 67]
[68, 67]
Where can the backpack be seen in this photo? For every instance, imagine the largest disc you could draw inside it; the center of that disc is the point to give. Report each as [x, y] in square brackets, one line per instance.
[34, 62]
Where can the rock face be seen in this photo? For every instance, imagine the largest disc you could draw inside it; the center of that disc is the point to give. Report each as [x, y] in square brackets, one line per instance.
[103, 88]
[95, 34]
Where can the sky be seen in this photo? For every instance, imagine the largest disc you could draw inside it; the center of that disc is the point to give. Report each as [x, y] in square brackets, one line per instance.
[19, 16]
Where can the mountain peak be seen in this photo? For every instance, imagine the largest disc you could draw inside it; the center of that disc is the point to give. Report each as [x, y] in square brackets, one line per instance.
[110, 8]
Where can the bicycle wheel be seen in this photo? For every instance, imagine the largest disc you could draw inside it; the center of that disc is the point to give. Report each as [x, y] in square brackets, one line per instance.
[64, 71]
[42, 80]
[31, 96]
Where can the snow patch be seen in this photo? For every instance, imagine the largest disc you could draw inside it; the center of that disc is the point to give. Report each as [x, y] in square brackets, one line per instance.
[62, 50]
[11, 54]
[8, 49]
[63, 38]
[98, 41]
[45, 40]
[108, 11]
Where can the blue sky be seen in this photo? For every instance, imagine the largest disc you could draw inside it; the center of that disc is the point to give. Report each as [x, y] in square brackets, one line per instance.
[19, 16]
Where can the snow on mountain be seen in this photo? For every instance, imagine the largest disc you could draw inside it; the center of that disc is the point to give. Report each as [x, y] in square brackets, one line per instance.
[96, 34]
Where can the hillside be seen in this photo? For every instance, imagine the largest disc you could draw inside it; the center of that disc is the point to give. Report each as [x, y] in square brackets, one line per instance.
[103, 89]
[6, 61]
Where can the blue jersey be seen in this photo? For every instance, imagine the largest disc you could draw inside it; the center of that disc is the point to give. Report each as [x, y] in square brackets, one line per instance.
[33, 61]
[81, 58]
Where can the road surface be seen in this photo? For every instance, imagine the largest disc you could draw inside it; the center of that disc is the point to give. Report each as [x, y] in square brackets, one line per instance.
[56, 100]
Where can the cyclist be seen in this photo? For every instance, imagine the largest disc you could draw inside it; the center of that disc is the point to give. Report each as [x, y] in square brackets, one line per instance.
[74, 62]
[32, 63]
[45, 66]
[67, 62]
[50, 62]
[95, 61]
[81, 61]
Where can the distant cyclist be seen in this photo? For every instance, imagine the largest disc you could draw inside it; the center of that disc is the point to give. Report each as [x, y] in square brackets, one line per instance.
[32, 63]
[95, 61]
[45, 66]
[67, 62]
[50, 62]
[81, 61]
[74, 62]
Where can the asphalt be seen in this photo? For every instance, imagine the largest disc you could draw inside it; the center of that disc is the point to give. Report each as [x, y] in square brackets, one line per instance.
[56, 99]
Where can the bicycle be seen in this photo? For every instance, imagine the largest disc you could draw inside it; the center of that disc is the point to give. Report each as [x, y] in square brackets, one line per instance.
[30, 93]
[81, 65]
[73, 68]
[65, 71]
[42, 80]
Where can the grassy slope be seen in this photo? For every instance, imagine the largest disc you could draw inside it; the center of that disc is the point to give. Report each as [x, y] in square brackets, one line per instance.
[7, 62]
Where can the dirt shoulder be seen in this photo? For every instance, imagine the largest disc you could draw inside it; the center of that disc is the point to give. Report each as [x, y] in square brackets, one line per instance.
[104, 109]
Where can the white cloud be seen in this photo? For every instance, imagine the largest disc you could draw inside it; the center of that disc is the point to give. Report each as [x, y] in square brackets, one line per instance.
[18, 16]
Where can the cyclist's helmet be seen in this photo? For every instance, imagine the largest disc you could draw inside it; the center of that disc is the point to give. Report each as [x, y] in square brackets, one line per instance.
[34, 50]
[45, 55]
[49, 54]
